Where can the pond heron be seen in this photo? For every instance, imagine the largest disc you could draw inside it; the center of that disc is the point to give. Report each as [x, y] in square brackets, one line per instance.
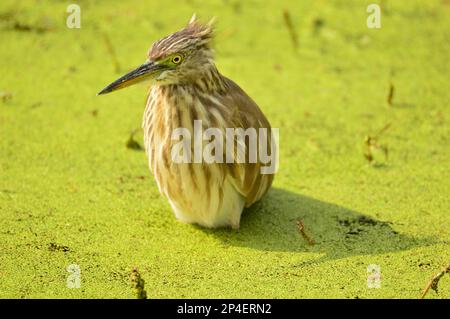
[187, 89]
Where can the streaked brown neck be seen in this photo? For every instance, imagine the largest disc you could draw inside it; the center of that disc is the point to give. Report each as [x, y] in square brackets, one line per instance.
[208, 80]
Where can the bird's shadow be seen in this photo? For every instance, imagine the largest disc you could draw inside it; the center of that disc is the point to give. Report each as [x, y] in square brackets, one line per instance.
[337, 232]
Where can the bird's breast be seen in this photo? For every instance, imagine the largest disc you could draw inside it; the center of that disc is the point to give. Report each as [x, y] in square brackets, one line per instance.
[196, 191]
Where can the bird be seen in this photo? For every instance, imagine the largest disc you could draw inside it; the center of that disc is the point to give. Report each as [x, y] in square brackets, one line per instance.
[185, 86]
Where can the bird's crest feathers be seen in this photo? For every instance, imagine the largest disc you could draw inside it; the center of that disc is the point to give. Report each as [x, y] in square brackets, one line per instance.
[195, 35]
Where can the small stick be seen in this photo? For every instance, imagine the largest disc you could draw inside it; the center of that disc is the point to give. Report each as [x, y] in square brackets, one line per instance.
[382, 130]
[301, 230]
[290, 27]
[111, 52]
[391, 94]
[137, 283]
[372, 142]
[433, 284]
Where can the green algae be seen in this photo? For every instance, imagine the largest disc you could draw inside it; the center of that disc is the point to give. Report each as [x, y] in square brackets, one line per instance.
[71, 192]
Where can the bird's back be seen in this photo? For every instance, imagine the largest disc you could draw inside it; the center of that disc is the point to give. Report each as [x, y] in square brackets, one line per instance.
[247, 176]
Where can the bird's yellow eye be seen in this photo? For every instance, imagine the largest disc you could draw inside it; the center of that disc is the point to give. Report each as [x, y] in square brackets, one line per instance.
[176, 59]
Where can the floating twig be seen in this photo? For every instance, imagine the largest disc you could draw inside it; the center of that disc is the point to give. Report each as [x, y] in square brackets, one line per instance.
[301, 230]
[371, 143]
[391, 94]
[383, 129]
[138, 284]
[433, 284]
[290, 27]
[58, 247]
[111, 52]
[23, 27]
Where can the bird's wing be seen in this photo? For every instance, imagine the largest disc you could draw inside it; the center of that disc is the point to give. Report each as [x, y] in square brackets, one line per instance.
[245, 113]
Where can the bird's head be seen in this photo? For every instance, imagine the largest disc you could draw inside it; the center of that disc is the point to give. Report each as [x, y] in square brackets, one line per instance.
[178, 58]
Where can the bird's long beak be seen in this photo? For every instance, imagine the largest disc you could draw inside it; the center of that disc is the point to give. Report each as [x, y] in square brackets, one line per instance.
[145, 71]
